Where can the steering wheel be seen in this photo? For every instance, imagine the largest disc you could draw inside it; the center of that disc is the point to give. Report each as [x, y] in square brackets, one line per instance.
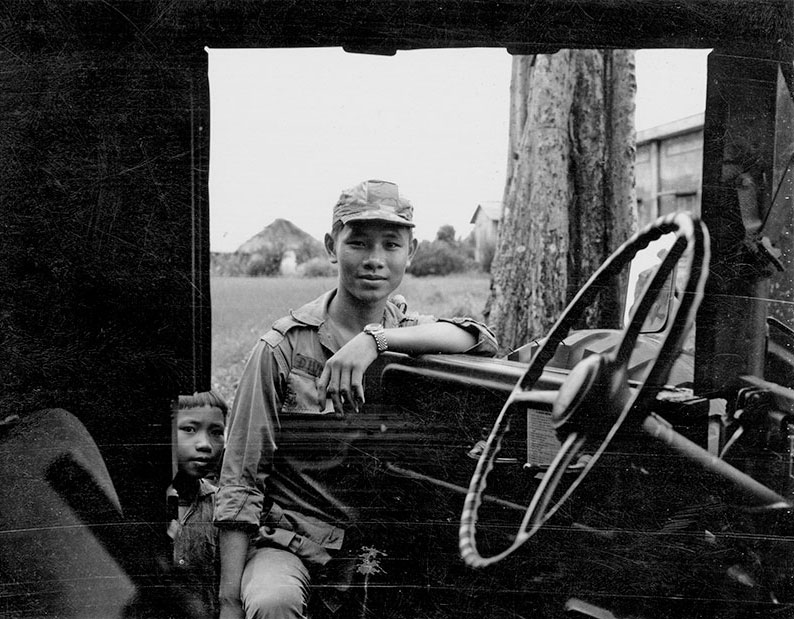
[595, 399]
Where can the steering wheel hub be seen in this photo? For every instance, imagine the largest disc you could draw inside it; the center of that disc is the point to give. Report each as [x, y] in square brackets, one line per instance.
[590, 399]
[576, 395]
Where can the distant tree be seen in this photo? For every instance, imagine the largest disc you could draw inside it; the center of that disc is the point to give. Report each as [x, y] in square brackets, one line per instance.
[317, 267]
[227, 264]
[438, 258]
[569, 194]
[446, 234]
[308, 250]
[265, 263]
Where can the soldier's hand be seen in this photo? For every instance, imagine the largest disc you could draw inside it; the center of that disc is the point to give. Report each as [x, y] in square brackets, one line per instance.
[231, 609]
[343, 376]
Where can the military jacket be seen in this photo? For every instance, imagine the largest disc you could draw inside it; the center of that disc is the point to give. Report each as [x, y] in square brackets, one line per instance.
[289, 470]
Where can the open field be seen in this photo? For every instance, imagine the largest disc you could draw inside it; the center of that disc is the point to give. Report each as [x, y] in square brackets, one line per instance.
[243, 308]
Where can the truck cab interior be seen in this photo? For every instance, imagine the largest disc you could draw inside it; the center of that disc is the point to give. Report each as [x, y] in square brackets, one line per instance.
[641, 473]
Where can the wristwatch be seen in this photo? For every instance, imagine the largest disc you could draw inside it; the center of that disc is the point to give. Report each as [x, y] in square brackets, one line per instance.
[377, 331]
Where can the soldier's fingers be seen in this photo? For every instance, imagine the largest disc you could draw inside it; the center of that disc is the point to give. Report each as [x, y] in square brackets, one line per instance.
[322, 385]
[357, 387]
[336, 398]
[344, 387]
[333, 386]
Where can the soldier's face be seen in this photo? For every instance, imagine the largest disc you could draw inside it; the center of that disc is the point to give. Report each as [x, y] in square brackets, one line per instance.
[372, 258]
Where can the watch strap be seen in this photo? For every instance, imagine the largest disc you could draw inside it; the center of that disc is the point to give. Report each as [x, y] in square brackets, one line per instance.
[378, 333]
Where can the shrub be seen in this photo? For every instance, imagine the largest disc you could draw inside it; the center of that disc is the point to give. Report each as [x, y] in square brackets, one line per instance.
[317, 267]
[438, 258]
[264, 264]
[228, 264]
[308, 250]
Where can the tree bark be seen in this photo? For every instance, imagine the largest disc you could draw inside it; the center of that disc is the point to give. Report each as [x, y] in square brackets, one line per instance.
[569, 194]
[519, 94]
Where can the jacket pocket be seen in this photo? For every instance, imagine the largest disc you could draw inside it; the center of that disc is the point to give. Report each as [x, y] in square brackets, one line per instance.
[301, 396]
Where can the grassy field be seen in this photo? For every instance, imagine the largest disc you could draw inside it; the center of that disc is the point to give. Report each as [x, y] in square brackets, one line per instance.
[243, 308]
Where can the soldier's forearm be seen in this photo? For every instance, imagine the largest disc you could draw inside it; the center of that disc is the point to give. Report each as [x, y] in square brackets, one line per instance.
[233, 551]
[434, 337]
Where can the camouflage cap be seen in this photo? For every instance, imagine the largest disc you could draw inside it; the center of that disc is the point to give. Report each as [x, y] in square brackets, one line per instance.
[374, 200]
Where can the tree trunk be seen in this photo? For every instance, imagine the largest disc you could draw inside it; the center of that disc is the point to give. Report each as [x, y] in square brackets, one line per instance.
[569, 195]
[519, 94]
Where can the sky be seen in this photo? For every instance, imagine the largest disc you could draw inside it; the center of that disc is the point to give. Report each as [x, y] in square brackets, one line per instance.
[291, 128]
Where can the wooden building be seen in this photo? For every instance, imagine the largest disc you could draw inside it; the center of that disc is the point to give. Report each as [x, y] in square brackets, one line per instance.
[669, 168]
[486, 220]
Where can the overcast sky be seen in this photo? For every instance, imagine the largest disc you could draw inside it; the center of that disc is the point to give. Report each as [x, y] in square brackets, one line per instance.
[291, 128]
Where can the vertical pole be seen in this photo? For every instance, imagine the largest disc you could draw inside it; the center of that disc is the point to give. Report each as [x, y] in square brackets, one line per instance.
[738, 155]
[656, 183]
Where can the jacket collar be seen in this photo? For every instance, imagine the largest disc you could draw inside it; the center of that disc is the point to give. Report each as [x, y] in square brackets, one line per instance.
[314, 313]
[206, 487]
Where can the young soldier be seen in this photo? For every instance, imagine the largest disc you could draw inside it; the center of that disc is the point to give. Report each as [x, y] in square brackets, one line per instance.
[283, 518]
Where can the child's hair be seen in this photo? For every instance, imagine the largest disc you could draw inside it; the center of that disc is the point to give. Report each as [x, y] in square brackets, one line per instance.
[199, 399]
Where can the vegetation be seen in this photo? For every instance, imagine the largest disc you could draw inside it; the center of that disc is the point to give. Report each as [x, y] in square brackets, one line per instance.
[227, 264]
[443, 256]
[264, 264]
[317, 267]
[243, 309]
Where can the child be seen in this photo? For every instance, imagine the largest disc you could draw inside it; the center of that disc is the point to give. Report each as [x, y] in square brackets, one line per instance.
[200, 423]
[285, 513]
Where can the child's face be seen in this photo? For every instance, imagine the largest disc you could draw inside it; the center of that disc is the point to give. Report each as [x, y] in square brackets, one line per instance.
[372, 258]
[199, 440]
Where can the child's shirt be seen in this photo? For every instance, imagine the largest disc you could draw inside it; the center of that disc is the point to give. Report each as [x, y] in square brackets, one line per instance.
[196, 555]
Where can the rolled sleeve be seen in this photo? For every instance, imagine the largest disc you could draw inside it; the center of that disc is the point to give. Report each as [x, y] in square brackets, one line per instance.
[250, 441]
[238, 505]
[486, 341]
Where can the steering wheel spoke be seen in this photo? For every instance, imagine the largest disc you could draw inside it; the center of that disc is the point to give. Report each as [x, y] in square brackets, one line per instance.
[539, 511]
[595, 400]
[538, 400]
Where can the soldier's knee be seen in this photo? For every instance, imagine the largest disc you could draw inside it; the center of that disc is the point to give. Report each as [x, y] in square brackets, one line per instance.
[276, 602]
